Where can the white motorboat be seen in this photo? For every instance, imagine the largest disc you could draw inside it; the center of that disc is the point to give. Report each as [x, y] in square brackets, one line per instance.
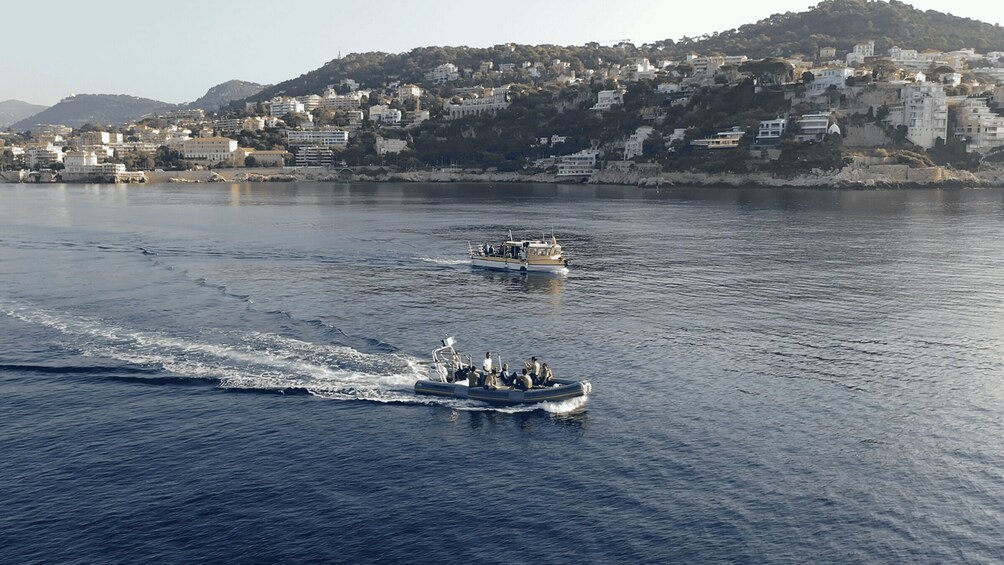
[523, 255]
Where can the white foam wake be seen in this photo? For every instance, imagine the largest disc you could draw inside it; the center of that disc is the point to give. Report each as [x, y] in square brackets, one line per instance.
[444, 261]
[257, 361]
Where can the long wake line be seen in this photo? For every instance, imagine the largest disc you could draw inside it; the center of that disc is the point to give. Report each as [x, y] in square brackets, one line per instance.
[256, 361]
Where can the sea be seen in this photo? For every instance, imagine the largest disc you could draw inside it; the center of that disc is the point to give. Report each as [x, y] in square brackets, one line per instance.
[223, 373]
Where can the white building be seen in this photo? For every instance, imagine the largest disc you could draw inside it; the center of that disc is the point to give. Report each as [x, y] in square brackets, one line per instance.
[668, 88]
[385, 146]
[98, 138]
[408, 92]
[282, 106]
[137, 147]
[326, 138]
[607, 99]
[861, 52]
[554, 139]
[829, 77]
[679, 134]
[443, 73]
[314, 156]
[310, 102]
[492, 101]
[827, 53]
[728, 139]
[43, 155]
[635, 145]
[84, 165]
[582, 163]
[951, 79]
[979, 125]
[707, 66]
[235, 125]
[337, 102]
[996, 72]
[384, 115]
[924, 112]
[268, 157]
[210, 149]
[416, 117]
[813, 127]
[641, 69]
[52, 129]
[899, 55]
[770, 131]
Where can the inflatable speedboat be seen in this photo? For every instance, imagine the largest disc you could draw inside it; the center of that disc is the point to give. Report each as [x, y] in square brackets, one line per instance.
[447, 363]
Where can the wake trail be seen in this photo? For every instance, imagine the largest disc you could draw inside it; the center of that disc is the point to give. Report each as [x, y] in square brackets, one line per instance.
[254, 361]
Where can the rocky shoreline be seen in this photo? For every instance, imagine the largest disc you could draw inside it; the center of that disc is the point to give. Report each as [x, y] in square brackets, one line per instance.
[850, 177]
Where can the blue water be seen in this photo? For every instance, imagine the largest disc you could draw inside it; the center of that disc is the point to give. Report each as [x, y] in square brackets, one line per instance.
[222, 373]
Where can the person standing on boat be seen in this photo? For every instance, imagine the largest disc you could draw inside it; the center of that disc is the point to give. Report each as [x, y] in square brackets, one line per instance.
[534, 367]
[487, 364]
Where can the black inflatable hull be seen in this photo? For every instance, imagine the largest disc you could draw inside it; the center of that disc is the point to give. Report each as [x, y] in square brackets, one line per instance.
[566, 390]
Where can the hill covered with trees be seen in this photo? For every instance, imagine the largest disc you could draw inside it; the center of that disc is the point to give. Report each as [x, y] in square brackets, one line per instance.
[831, 23]
[222, 94]
[109, 109]
[843, 23]
[12, 111]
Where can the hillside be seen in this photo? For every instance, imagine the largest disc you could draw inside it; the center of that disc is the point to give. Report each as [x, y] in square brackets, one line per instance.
[222, 94]
[12, 111]
[375, 68]
[107, 109]
[843, 23]
[832, 23]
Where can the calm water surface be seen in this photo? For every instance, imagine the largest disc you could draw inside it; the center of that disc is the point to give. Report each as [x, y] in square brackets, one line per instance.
[222, 373]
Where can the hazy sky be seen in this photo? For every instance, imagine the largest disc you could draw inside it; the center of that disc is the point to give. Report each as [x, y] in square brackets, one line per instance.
[176, 50]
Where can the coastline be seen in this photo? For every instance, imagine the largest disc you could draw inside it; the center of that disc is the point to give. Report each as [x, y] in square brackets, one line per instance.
[850, 177]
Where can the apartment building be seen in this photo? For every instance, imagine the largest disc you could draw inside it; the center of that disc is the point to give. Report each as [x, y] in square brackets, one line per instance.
[327, 138]
[209, 149]
[924, 111]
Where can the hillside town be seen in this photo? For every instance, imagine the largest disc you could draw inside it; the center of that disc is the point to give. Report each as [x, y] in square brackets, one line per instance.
[903, 116]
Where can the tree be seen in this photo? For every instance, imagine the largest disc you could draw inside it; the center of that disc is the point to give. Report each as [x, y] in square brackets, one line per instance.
[6, 160]
[769, 71]
[169, 159]
[885, 70]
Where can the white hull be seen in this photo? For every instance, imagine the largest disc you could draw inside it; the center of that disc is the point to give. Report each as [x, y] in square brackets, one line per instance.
[504, 264]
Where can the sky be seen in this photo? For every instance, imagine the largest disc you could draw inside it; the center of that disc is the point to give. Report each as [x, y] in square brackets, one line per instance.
[175, 51]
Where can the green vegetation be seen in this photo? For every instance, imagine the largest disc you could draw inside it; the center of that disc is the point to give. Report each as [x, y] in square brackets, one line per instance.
[842, 24]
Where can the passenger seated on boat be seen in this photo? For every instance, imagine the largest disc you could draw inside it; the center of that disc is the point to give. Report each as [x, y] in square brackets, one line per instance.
[505, 376]
[546, 376]
[472, 377]
[524, 382]
[491, 380]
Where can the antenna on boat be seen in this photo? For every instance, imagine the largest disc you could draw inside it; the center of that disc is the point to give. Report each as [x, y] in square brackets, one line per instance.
[510, 236]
